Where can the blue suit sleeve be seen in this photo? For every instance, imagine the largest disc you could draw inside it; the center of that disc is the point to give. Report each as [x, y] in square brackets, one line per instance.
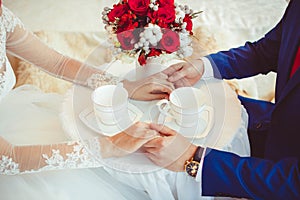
[260, 113]
[226, 174]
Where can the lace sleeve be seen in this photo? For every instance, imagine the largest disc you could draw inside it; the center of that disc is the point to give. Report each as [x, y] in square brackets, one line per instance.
[32, 158]
[26, 46]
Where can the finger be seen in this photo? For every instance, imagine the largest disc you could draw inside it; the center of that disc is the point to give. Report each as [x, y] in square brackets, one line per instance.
[173, 68]
[153, 143]
[161, 76]
[162, 129]
[179, 74]
[167, 88]
[168, 84]
[151, 150]
[158, 96]
[151, 134]
[182, 83]
[151, 156]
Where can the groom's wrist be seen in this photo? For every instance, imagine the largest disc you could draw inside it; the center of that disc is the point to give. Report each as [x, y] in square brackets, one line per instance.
[198, 64]
[192, 165]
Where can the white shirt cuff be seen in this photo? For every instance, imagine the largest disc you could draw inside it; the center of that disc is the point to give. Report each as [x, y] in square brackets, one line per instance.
[208, 69]
[199, 173]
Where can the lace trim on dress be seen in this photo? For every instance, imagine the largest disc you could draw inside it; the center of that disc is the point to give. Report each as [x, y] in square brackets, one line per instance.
[8, 166]
[99, 79]
[79, 158]
[2, 43]
[2, 82]
[9, 20]
[94, 147]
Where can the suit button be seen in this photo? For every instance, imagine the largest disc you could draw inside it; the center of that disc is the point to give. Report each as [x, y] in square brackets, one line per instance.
[258, 125]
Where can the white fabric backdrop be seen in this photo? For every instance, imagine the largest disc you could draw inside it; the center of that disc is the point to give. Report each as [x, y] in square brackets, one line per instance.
[230, 21]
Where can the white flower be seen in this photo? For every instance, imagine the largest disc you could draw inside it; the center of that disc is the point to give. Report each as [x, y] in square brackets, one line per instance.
[180, 14]
[185, 39]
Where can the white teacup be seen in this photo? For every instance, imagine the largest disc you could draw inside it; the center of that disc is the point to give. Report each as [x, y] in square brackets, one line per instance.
[185, 106]
[110, 104]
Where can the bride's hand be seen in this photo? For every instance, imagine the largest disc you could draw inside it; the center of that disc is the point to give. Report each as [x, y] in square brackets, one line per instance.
[127, 141]
[151, 88]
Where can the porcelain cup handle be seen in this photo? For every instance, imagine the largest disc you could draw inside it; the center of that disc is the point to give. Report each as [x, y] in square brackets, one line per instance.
[210, 119]
[164, 109]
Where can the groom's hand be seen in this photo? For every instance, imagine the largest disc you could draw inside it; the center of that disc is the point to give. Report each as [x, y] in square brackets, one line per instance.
[171, 150]
[185, 73]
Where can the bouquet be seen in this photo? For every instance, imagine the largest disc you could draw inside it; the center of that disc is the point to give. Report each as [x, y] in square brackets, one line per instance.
[149, 28]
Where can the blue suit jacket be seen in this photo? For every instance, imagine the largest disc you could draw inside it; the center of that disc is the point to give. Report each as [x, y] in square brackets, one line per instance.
[277, 175]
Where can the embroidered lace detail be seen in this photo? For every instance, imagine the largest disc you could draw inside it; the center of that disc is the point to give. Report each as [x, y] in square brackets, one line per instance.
[9, 20]
[2, 43]
[94, 148]
[98, 79]
[7, 24]
[2, 82]
[79, 158]
[8, 166]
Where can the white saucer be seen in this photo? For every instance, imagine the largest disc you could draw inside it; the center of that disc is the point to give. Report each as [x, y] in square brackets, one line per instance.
[193, 132]
[87, 116]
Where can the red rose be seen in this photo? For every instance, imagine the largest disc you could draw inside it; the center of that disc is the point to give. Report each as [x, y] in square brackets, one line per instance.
[142, 58]
[127, 22]
[126, 39]
[166, 14]
[189, 23]
[170, 41]
[154, 52]
[166, 3]
[118, 11]
[163, 16]
[139, 7]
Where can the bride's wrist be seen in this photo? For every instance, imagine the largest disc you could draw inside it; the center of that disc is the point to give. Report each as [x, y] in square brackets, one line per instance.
[128, 86]
[107, 147]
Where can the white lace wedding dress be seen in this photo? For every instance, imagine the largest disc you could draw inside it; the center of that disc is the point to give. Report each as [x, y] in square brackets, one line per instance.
[29, 168]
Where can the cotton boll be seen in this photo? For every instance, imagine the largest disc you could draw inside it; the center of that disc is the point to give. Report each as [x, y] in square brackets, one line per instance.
[153, 41]
[146, 44]
[142, 40]
[186, 7]
[180, 14]
[158, 37]
[150, 26]
[156, 30]
[147, 34]
[141, 44]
